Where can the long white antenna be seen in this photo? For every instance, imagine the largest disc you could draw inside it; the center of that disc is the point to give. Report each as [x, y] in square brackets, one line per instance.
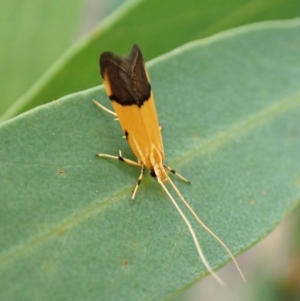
[206, 228]
[196, 242]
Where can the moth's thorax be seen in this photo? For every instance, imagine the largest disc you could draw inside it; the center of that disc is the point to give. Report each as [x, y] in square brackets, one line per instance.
[156, 161]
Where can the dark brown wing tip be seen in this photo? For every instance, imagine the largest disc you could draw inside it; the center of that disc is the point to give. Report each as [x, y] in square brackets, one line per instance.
[135, 53]
[135, 49]
[108, 56]
[104, 59]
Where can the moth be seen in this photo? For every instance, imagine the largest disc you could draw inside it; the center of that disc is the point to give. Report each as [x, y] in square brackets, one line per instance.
[127, 85]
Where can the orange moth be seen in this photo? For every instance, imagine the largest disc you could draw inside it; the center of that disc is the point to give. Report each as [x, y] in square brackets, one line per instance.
[127, 85]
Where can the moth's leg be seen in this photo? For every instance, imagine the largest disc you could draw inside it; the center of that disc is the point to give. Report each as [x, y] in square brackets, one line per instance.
[128, 161]
[176, 173]
[138, 183]
[120, 158]
[99, 105]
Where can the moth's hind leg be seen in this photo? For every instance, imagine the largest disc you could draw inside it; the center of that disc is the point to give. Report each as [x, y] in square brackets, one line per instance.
[128, 161]
[176, 173]
[99, 105]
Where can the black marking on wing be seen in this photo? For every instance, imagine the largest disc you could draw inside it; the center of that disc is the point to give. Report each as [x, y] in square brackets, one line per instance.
[126, 77]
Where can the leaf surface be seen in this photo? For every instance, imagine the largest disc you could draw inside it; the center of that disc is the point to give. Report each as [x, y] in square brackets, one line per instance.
[229, 107]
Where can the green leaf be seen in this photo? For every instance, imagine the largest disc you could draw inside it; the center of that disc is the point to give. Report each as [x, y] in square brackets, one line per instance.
[229, 108]
[157, 26]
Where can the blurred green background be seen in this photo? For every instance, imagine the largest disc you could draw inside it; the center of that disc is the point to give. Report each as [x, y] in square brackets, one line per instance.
[50, 49]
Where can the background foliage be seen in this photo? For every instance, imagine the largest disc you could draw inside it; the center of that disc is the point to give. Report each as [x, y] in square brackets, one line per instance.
[39, 31]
